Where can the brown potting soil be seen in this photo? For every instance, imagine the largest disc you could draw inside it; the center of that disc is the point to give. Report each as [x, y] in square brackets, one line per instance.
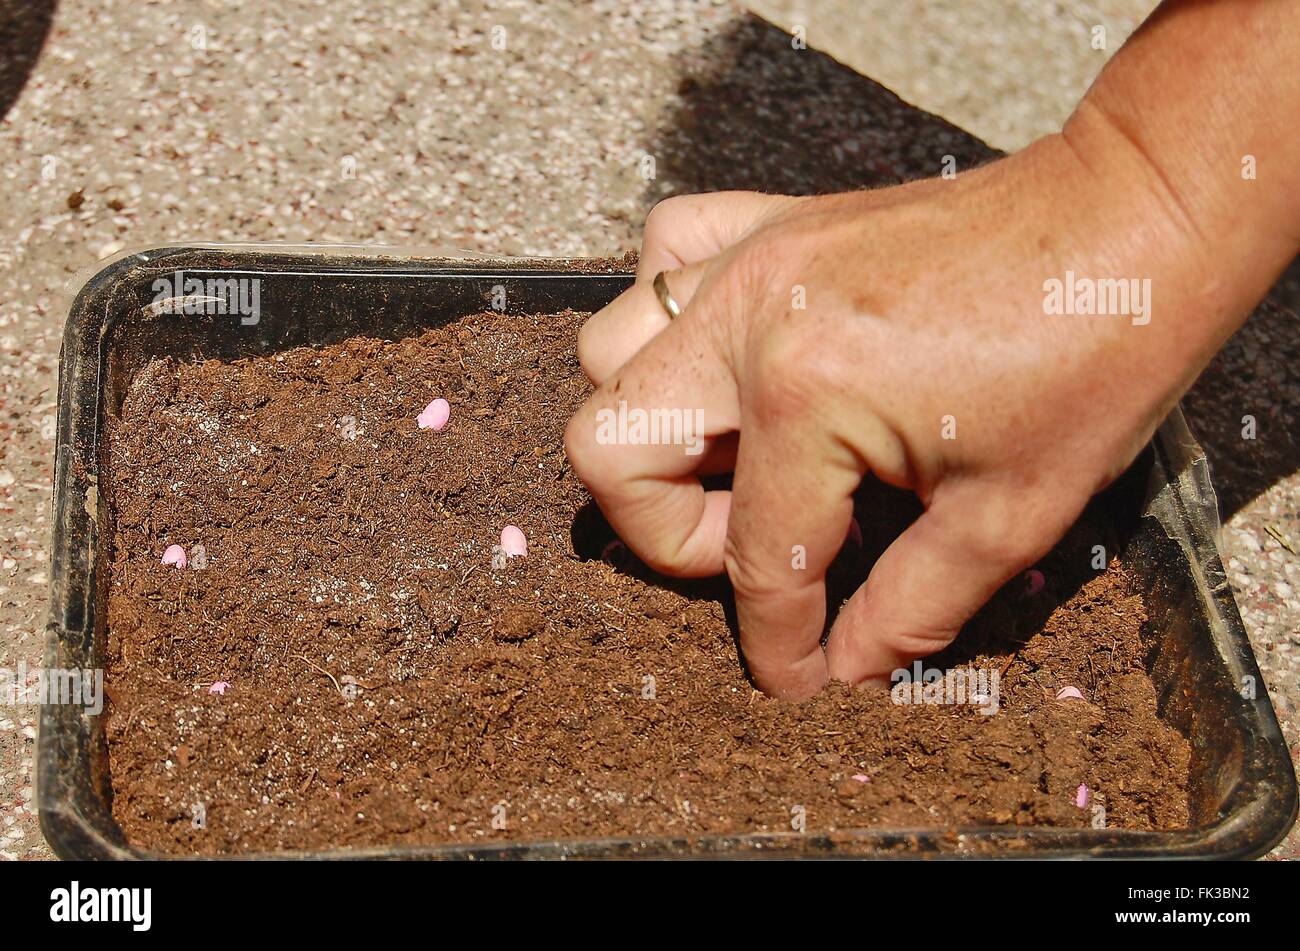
[388, 686]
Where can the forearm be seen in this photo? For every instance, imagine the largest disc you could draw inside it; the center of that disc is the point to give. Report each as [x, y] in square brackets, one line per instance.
[1198, 115]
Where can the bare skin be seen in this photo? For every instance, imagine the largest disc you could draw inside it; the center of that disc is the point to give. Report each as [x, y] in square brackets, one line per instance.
[903, 332]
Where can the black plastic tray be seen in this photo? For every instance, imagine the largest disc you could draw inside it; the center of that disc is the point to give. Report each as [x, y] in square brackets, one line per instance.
[1243, 789]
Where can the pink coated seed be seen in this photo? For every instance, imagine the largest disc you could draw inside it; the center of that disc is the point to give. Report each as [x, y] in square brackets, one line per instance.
[1034, 582]
[218, 687]
[513, 542]
[1070, 693]
[860, 778]
[175, 555]
[1081, 796]
[435, 415]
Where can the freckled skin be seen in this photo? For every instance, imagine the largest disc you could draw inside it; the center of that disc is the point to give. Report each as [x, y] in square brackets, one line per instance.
[926, 352]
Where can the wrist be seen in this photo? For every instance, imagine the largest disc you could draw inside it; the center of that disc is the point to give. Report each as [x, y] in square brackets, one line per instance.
[1218, 237]
[1101, 233]
[1134, 221]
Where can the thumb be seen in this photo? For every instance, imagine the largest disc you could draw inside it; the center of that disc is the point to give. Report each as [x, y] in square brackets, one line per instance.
[933, 579]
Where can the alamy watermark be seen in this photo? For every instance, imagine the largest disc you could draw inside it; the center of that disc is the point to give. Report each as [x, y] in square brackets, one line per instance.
[78, 903]
[1098, 297]
[976, 686]
[179, 294]
[22, 686]
[651, 427]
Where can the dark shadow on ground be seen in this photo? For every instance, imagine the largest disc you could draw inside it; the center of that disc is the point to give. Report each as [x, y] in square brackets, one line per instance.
[24, 24]
[1255, 376]
[755, 113]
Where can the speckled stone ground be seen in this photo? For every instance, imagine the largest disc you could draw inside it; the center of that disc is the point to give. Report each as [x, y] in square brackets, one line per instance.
[1007, 71]
[383, 122]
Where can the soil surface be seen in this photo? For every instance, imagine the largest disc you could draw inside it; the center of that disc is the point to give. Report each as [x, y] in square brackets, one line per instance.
[388, 685]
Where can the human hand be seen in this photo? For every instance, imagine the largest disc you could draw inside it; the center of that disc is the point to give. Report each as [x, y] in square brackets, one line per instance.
[923, 354]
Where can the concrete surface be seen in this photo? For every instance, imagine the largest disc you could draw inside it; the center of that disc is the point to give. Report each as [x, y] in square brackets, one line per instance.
[1007, 71]
[145, 124]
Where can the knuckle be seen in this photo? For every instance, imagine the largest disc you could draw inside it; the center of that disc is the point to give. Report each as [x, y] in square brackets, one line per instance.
[581, 447]
[791, 371]
[763, 261]
[665, 556]
[596, 356]
[605, 466]
[1014, 526]
[915, 642]
[658, 534]
[663, 216]
[585, 345]
[751, 580]
[1000, 547]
